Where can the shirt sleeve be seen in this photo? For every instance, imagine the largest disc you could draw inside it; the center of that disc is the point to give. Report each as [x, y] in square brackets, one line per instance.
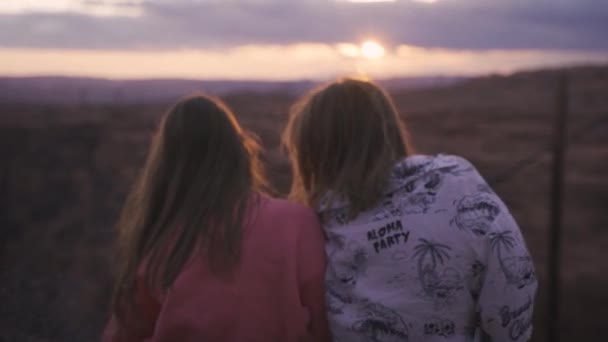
[505, 283]
[311, 274]
[507, 295]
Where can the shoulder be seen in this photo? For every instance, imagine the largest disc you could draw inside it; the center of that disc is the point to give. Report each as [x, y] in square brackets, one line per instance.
[452, 160]
[298, 223]
[284, 210]
[452, 168]
[478, 208]
[458, 169]
[416, 165]
[459, 176]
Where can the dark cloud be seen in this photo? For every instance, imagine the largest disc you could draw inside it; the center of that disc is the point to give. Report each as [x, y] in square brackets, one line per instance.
[458, 24]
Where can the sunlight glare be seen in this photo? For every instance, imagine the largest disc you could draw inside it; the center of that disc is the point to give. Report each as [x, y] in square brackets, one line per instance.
[372, 50]
[348, 50]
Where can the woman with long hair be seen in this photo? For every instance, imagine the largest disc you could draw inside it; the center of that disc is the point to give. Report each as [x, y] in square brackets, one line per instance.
[419, 247]
[205, 255]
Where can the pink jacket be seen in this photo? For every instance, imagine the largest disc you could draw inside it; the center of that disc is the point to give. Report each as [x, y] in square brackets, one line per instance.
[277, 293]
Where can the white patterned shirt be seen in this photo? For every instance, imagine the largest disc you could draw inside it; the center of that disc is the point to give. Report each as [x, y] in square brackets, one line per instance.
[439, 259]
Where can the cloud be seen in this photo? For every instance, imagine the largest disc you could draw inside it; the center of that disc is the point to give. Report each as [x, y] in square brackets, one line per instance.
[191, 24]
[279, 62]
[87, 7]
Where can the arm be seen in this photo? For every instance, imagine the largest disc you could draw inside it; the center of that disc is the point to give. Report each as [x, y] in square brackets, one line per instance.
[505, 286]
[138, 325]
[311, 275]
[506, 300]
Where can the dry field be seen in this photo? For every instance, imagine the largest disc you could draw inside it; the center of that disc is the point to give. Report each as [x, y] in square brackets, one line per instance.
[65, 171]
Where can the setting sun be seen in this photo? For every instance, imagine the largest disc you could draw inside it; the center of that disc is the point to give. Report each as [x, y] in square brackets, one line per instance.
[372, 50]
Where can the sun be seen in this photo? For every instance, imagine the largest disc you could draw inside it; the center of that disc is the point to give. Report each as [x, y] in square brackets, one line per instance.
[372, 50]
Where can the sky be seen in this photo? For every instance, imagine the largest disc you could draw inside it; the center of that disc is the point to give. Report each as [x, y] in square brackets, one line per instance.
[297, 39]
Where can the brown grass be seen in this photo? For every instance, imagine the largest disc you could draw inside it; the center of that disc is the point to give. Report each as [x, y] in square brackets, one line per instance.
[66, 170]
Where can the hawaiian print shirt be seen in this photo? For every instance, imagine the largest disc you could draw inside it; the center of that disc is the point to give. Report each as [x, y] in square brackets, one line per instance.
[440, 258]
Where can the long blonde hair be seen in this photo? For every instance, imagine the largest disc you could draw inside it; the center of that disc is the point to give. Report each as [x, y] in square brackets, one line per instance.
[344, 137]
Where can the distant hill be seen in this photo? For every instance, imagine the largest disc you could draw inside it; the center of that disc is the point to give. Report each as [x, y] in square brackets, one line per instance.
[65, 90]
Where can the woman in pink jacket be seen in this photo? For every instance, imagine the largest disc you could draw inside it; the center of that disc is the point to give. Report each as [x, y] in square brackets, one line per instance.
[205, 255]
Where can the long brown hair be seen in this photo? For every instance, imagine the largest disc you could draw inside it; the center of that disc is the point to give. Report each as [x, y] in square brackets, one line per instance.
[344, 137]
[194, 191]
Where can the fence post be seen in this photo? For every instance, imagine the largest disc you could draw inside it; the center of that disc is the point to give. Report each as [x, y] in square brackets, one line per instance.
[556, 208]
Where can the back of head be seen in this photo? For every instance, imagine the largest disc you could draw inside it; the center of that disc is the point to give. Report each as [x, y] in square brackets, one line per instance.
[345, 138]
[194, 191]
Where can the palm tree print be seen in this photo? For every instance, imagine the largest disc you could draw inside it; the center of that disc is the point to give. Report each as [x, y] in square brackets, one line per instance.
[518, 270]
[498, 240]
[431, 251]
[440, 287]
